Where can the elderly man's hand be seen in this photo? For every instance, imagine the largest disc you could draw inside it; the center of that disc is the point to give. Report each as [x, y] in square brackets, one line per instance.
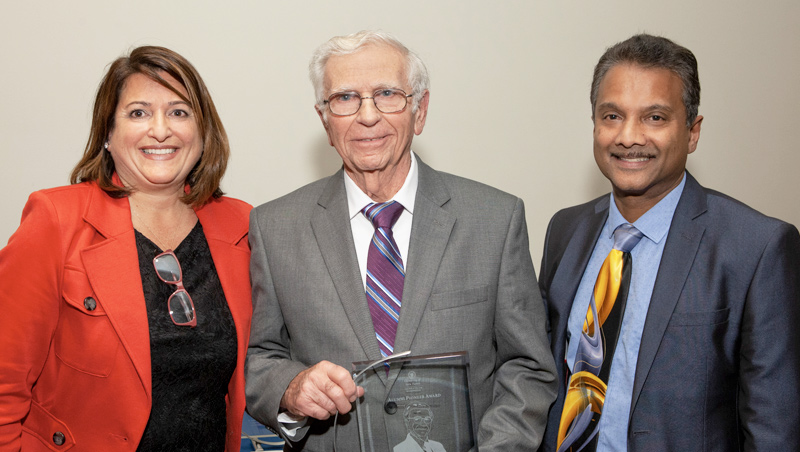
[320, 391]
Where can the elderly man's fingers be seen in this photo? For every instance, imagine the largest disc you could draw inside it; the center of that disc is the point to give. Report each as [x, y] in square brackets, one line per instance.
[342, 378]
[317, 391]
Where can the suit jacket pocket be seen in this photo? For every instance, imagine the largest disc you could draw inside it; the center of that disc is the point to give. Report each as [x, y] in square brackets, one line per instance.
[456, 298]
[681, 319]
[84, 338]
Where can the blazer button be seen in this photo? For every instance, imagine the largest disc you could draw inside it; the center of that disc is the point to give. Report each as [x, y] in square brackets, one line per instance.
[58, 438]
[89, 304]
[390, 408]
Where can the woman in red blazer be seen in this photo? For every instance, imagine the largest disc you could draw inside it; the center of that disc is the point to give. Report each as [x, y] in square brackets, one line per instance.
[125, 297]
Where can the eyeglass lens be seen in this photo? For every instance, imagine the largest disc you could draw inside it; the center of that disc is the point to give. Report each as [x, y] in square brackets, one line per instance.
[386, 100]
[168, 268]
[181, 307]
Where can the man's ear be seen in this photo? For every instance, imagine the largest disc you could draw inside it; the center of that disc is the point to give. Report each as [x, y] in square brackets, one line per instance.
[422, 113]
[694, 133]
[321, 114]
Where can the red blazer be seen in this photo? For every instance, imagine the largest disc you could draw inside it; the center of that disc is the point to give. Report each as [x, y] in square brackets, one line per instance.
[84, 375]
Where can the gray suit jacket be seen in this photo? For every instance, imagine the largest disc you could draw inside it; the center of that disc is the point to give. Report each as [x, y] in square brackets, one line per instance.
[470, 285]
[719, 363]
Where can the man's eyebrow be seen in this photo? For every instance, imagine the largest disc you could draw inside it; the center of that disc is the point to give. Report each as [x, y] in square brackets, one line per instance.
[608, 105]
[614, 106]
[377, 87]
[659, 107]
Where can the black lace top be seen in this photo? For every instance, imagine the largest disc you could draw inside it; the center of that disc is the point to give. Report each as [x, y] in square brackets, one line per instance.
[191, 367]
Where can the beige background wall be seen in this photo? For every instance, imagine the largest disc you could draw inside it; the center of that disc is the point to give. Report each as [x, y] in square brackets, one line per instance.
[509, 97]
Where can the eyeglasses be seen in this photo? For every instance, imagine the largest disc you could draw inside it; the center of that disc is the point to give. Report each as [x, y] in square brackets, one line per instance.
[181, 307]
[386, 101]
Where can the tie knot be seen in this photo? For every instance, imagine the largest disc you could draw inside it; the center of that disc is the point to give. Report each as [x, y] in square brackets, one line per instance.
[626, 236]
[383, 214]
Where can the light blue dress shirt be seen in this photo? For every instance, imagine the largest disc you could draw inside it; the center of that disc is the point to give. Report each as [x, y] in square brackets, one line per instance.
[646, 256]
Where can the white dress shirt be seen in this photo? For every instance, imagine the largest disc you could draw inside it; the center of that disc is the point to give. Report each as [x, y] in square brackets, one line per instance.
[362, 228]
[296, 427]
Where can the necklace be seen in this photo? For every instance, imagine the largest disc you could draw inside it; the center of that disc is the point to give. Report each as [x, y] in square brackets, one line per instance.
[156, 237]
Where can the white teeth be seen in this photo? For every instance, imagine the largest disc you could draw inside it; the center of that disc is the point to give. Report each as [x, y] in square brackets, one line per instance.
[639, 159]
[159, 151]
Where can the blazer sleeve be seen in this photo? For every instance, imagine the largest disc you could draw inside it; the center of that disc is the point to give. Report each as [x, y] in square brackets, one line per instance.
[524, 386]
[769, 371]
[269, 368]
[30, 278]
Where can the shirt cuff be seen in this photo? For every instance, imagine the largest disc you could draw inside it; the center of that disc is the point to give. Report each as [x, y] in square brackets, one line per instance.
[294, 428]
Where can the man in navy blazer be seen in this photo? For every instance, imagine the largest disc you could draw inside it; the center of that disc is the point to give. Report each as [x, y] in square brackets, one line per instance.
[708, 357]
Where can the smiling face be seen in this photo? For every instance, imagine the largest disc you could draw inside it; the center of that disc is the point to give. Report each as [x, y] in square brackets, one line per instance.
[641, 141]
[155, 141]
[418, 422]
[369, 141]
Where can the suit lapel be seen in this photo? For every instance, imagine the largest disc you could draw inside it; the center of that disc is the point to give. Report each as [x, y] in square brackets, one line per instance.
[680, 250]
[567, 271]
[112, 266]
[430, 232]
[223, 234]
[573, 263]
[331, 226]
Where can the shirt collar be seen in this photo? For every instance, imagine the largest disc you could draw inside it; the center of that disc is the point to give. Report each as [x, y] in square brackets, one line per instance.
[654, 224]
[357, 199]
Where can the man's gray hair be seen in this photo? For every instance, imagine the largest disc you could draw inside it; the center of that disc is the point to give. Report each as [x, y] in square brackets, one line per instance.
[653, 52]
[343, 45]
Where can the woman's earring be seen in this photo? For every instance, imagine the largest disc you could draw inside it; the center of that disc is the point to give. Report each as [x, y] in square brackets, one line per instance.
[106, 145]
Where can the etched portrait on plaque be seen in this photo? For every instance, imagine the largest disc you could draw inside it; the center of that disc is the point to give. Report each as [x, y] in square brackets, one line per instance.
[418, 418]
[416, 404]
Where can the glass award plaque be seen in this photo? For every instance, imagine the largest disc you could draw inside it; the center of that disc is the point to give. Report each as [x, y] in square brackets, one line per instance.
[415, 403]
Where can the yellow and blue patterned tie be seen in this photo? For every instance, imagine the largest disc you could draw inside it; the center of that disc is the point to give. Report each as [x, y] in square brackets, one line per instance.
[586, 391]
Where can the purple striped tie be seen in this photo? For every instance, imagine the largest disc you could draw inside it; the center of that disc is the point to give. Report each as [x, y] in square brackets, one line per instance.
[385, 273]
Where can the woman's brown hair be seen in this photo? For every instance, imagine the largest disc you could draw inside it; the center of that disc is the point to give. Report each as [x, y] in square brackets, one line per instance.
[96, 164]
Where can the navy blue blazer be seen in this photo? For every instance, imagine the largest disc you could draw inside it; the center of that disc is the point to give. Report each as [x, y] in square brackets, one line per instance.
[719, 363]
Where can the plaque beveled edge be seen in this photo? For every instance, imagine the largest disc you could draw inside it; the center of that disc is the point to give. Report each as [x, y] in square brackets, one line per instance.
[361, 366]
[358, 365]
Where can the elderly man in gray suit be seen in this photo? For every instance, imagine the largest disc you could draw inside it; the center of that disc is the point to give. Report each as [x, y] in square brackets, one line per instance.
[460, 276]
